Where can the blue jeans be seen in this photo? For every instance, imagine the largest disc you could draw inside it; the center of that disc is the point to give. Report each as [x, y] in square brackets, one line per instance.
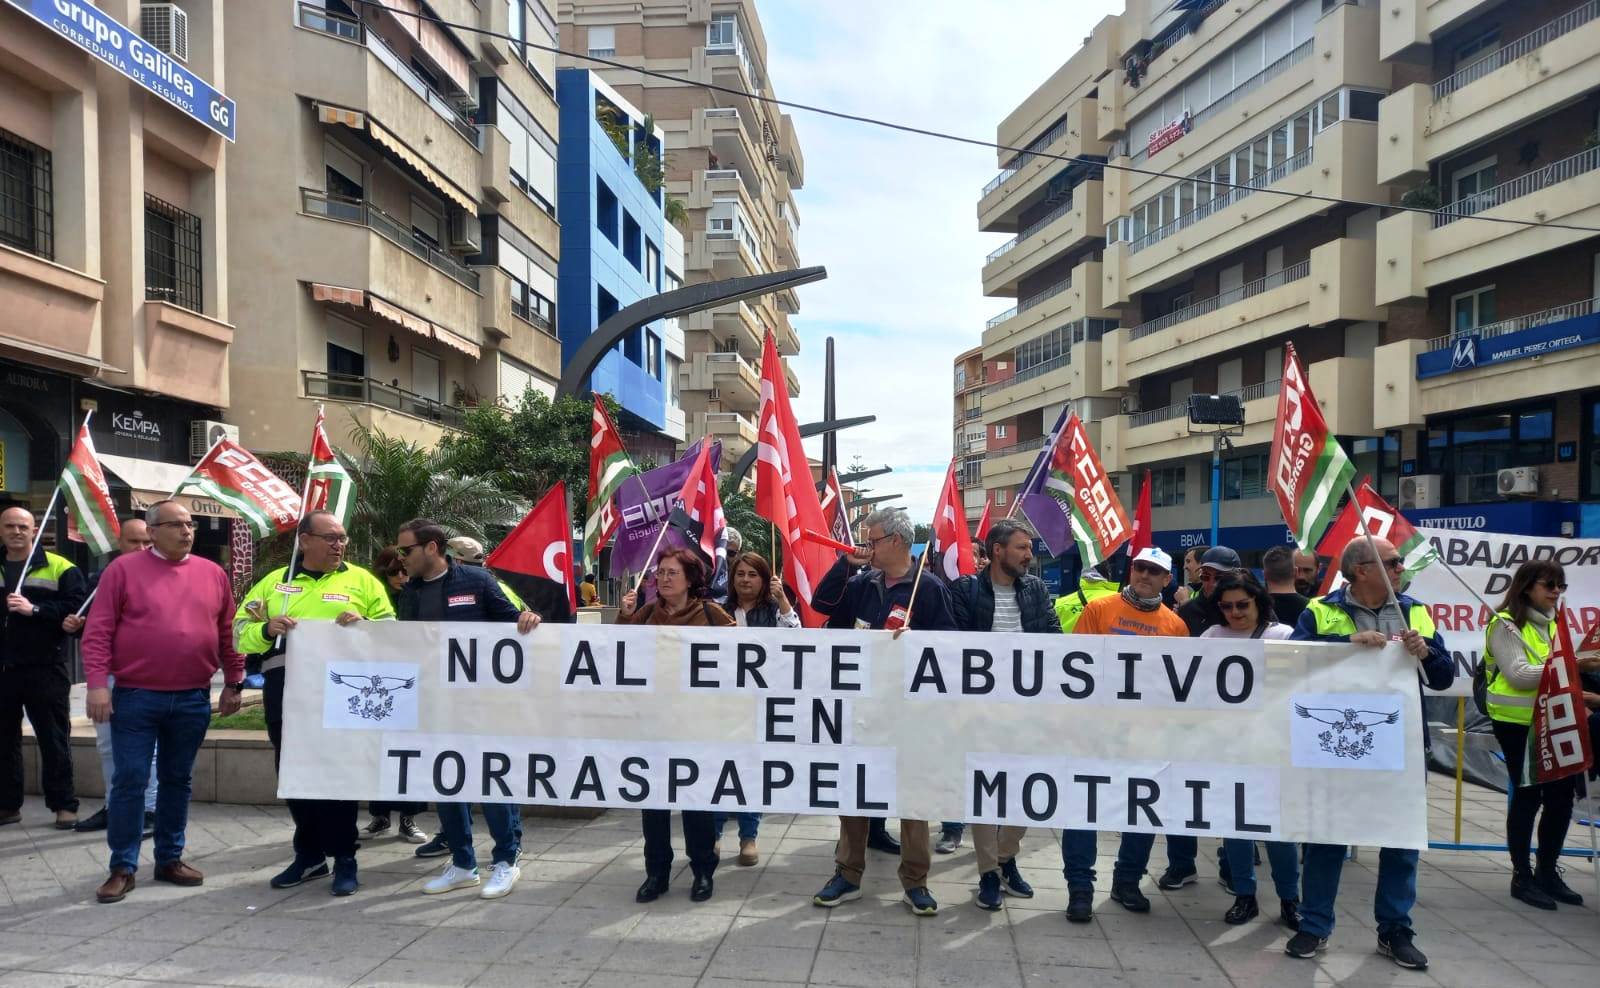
[749, 823]
[954, 826]
[168, 726]
[1391, 902]
[1285, 859]
[108, 765]
[505, 826]
[1133, 856]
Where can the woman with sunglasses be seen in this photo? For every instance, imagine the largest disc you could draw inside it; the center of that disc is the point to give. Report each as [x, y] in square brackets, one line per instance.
[1518, 643]
[1247, 612]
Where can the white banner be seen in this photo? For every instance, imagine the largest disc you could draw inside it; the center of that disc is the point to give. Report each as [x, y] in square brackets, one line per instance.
[1486, 562]
[1273, 741]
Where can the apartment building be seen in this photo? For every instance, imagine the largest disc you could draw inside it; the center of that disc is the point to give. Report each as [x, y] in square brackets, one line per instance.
[968, 440]
[1429, 339]
[114, 266]
[732, 164]
[396, 255]
[612, 239]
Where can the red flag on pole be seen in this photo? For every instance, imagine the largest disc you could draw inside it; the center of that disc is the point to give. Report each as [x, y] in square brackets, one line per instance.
[1558, 738]
[1306, 467]
[541, 544]
[983, 519]
[698, 515]
[1142, 533]
[833, 509]
[951, 545]
[1382, 521]
[785, 493]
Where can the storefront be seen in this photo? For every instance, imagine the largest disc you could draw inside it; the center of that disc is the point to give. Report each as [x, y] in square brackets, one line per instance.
[35, 426]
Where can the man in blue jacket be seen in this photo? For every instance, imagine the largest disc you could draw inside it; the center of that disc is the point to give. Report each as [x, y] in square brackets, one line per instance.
[1361, 613]
[441, 590]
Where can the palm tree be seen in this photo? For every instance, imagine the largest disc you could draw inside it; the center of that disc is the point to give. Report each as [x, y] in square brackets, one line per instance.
[397, 481]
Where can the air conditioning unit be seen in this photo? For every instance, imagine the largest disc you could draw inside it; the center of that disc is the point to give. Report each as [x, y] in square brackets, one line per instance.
[1517, 480]
[204, 433]
[466, 231]
[166, 26]
[1421, 491]
[1128, 404]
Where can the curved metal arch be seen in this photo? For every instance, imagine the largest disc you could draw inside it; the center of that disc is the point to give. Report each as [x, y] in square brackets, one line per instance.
[806, 432]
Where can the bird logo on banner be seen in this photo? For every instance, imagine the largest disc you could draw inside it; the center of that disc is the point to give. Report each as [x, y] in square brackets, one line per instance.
[1350, 731]
[374, 696]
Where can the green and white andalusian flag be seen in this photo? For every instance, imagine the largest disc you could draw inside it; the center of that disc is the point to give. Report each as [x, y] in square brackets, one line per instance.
[230, 475]
[1308, 469]
[91, 515]
[609, 466]
[328, 484]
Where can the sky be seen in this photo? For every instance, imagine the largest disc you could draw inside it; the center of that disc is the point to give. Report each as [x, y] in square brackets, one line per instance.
[893, 216]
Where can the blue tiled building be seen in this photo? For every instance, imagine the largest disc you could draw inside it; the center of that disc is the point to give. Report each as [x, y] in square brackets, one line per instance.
[613, 232]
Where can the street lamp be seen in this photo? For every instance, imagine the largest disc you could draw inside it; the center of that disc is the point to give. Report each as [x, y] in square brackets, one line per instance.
[1221, 417]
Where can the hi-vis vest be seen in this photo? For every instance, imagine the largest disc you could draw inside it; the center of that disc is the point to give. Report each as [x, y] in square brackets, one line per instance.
[1334, 620]
[309, 598]
[1069, 607]
[46, 575]
[1506, 702]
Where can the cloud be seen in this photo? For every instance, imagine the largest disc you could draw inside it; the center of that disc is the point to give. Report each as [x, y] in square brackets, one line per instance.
[892, 215]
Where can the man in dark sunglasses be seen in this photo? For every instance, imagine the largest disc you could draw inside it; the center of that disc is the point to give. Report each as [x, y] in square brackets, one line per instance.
[1364, 613]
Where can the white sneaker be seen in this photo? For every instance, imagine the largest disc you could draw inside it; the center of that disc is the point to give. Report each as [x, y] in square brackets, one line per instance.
[452, 879]
[501, 879]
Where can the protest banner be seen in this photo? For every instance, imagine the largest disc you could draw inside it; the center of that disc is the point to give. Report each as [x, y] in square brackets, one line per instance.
[1485, 561]
[1293, 741]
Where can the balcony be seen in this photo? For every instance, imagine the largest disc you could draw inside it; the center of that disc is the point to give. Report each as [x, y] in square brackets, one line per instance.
[1547, 69]
[52, 312]
[513, 329]
[1020, 187]
[1073, 298]
[1037, 306]
[736, 432]
[1163, 433]
[185, 355]
[736, 381]
[361, 212]
[365, 391]
[1076, 220]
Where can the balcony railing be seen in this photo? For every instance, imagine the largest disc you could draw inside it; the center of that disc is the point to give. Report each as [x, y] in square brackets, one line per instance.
[1293, 272]
[344, 387]
[1062, 359]
[1254, 392]
[1025, 446]
[1038, 144]
[1002, 317]
[317, 19]
[1540, 178]
[1559, 313]
[317, 203]
[1023, 234]
[1223, 201]
[1250, 85]
[973, 414]
[1508, 53]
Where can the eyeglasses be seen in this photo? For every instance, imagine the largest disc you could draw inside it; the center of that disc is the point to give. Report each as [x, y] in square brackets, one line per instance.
[405, 550]
[333, 539]
[187, 526]
[1234, 606]
[873, 543]
[1553, 585]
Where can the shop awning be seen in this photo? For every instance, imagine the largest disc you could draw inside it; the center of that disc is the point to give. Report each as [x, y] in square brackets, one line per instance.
[342, 296]
[389, 312]
[456, 342]
[155, 480]
[329, 114]
[429, 174]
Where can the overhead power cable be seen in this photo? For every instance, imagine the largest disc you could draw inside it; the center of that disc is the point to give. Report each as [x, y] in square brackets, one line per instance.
[906, 128]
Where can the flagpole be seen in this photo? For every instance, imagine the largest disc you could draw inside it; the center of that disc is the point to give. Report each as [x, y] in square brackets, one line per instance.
[1461, 750]
[44, 520]
[294, 549]
[922, 564]
[1388, 582]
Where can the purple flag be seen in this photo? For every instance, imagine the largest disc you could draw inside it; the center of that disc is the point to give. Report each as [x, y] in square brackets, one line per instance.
[1049, 514]
[645, 502]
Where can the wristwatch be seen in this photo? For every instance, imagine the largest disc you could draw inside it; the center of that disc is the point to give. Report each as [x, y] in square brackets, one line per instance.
[235, 687]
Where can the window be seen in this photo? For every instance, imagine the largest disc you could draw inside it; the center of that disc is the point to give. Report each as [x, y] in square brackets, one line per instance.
[1364, 105]
[605, 210]
[632, 241]
[1000, 431]
[532, 285]
[602, 41]
[171, 254]
[1167, 487]
[346, 350]
[1478, 48]
[673, 366]
[652, 354]
[723, 29]
[528, 21]
[425, 375]
[533, 151]
[425, 224]
[343, 172]
[1472, 449]
[1591, 447]
[1473, 309]
[652, 264]
[1470, 180]
[1001, 495]
[1328, 111]
[26, 198]
[1244, 479]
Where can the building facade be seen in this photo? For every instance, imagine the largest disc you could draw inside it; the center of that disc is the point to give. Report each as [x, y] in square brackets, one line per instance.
[613, 239]
[1440, 346]
[400, 262]
[732, 163]
[114, 233]
[968, 430]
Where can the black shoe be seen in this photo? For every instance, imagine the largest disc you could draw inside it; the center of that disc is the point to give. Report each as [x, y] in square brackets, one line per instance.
[1552, 885]
[1397, 945]
[654, 887]
[149, 825]
[880, 840]
[299, 870]
[700, 891]
[1080, 905]
[1173, 878]
[949, 840]
[1304, 945]
[1128, 896]
[1289, 913]
[1525, 888]
[1244, 909]
[1012, 883]
[989, 896]
[344, 877]
[91, 823]
[377, 825]
[436, 848]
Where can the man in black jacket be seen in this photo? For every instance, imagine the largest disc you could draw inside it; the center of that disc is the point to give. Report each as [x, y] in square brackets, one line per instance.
[441, 590]
[1005, 597]
[41, 589]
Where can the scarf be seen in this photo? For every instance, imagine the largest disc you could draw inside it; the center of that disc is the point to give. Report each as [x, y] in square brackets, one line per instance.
[1140, 603]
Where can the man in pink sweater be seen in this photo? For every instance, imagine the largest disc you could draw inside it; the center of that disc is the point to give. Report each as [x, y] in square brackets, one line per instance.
[162, 625]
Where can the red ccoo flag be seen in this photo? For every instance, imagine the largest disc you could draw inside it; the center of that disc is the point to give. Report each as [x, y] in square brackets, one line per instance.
[698, 515]
[983, 519]
[1142, 534]
[541, 544]
[785, 493]
[1558, 738]
[951, 545]
[1382, 522]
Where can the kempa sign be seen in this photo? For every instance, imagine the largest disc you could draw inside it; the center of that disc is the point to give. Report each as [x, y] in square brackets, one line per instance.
[120, 47]
[133, 425]
[1278, 740]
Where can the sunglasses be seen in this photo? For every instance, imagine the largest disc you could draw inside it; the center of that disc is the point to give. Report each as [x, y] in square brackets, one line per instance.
[1553, 585]
[1147, 568]
[1234, 606]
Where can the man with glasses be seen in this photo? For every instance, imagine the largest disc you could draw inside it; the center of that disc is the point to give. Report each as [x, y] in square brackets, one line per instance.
[1199, 612]
[1363, 613]
[1136, 610]
[323, 587]
[159, 627]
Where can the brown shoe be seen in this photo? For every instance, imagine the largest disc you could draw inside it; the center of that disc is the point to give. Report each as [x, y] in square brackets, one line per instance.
[66, 819]
[12, 817]
[117, 887]
[179, 873]
[747, 852]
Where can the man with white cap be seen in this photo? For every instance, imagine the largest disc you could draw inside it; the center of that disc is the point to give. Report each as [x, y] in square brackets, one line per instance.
[1136, 610]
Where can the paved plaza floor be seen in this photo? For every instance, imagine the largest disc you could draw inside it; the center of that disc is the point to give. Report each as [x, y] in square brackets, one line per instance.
[572, 920]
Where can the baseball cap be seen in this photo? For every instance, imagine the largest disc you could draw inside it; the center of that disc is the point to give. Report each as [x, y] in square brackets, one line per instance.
[1220, 557]
[465, 549]
[1155, 557]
